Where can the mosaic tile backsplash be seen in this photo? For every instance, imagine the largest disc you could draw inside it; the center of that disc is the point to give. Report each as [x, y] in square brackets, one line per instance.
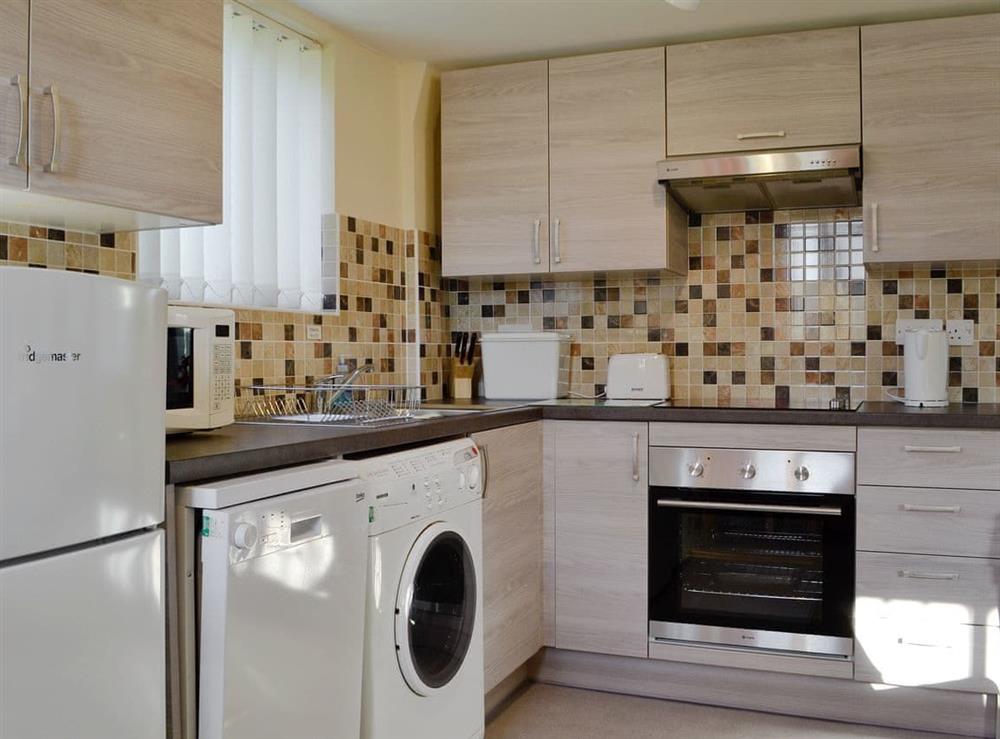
[36, 246]
[776, 309]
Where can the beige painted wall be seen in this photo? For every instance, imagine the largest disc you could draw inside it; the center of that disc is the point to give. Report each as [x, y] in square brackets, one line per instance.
[383, 160]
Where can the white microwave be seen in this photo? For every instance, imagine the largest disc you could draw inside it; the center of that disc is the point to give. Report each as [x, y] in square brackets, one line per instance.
[200, 368]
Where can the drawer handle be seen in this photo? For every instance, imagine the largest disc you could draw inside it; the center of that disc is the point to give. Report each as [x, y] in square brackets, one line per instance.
[53, 92]
[18, 160]
[928, 575]
[932, 508]
[761, 135]
[635, 456]
[933, 449]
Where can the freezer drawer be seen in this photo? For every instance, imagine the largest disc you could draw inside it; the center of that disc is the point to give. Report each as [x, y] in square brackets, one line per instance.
[82, 643]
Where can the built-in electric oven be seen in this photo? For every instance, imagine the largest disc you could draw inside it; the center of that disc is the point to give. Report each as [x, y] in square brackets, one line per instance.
[751, 548]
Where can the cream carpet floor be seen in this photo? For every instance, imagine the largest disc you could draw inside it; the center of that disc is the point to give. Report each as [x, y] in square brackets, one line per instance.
[552, 712]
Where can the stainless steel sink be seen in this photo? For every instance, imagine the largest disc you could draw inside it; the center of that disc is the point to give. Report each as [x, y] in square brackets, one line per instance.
[347, 421]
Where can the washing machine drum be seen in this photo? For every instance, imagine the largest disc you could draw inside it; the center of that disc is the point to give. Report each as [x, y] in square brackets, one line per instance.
[435, 609]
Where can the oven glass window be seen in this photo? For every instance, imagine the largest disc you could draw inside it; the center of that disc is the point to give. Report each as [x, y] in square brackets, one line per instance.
[771, 571]
[180, 368]
[443, 612]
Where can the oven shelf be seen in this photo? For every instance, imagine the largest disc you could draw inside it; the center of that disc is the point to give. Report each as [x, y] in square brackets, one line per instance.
[726, 579]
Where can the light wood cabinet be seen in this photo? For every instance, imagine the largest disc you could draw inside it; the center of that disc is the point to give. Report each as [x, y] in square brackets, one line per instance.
[601, 537]
[932, 139]
[13, 80]
[512, 548]
[550, 166]
[126, 104]
[787, 90]
[495, 170]
[939, 458]
[607, 131]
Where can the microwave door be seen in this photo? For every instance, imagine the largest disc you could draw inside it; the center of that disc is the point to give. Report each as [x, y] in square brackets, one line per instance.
[180, 368]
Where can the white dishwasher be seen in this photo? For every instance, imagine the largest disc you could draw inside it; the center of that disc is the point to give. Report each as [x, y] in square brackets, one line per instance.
[280, 602]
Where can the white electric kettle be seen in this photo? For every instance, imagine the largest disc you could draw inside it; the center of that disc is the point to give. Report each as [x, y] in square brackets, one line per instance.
[925, 368]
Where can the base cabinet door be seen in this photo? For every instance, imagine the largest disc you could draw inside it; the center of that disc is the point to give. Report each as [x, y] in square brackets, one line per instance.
[13, 89]
[601, 537]
[512, 547]
[931, 144]
[126, 104]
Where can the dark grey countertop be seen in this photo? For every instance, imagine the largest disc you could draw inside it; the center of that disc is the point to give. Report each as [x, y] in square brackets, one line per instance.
[244, 448]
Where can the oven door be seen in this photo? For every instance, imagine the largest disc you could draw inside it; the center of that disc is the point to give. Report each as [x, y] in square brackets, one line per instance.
[763, 570]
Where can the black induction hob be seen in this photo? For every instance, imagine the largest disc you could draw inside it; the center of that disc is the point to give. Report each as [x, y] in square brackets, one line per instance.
[813, 405]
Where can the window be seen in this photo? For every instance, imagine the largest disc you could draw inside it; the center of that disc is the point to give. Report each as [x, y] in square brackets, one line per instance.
[268, 250]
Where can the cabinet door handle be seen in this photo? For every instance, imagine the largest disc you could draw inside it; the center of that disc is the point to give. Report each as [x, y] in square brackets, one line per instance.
[635, 456]
[485, 457]
[874, 225]
[928, 575]
[556, 251]
[53, 92]
[18, 160]
[761, 135]
[536, 257]
[932, 449]
[932, 508]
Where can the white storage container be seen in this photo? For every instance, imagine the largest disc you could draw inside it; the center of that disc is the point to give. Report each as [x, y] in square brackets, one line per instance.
[525, 365]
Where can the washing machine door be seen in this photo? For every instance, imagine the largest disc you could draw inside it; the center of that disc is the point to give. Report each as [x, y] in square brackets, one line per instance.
[435, 609]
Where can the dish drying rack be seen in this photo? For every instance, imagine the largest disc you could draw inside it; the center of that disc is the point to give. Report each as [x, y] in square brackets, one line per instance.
[352, 404]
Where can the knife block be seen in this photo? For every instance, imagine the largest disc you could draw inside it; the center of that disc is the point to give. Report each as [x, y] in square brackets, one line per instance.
[461, 379]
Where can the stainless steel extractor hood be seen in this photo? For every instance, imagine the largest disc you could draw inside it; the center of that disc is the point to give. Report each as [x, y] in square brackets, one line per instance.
[764, 180]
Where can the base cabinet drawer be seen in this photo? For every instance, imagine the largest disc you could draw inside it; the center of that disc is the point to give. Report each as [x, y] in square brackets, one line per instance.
[912, 587]
[940, 458]
[927, 653]
[961, 523]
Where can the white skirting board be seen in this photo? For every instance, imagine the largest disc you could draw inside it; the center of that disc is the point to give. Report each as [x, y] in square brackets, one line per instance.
[926, 709]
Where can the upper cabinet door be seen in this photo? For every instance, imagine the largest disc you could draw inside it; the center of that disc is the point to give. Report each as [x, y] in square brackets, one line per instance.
[13, 88]
[606, 134]
[787, 90]
[495, 170]
[127, 104]
[932, 139]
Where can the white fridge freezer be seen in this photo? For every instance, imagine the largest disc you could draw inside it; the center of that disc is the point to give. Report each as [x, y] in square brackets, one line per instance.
[82, 386]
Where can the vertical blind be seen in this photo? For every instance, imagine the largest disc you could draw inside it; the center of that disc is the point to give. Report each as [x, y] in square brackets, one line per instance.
[267, 251]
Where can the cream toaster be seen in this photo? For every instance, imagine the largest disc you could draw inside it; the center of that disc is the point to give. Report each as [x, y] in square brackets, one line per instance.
[638, 377]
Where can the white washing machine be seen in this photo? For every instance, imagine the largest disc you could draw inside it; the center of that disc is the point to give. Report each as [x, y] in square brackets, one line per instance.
[423, 676]
[283, 560]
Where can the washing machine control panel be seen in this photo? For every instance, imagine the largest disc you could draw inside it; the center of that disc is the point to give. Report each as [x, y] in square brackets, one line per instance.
[421, 482]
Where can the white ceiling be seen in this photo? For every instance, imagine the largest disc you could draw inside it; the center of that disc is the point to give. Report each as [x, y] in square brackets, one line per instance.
[454, 33]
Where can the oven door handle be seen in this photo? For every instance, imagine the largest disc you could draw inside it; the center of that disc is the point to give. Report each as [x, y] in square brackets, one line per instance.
[750, 507]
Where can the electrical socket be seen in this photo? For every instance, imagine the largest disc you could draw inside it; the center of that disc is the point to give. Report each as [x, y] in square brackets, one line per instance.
[960, 332]
[314, 332]
[905, 323]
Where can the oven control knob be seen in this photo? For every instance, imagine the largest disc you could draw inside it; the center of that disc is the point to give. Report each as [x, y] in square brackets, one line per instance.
[801, 473]
[748, 471]
[245, 536]
[696, 470]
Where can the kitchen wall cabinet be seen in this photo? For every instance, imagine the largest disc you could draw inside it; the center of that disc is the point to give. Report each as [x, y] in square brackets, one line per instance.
[512, 547]
[607, 129]
[601, 515]
[125, 114]
[495, 170]
[787, 90]
[13, 70]
[551, 167]
[931, 143]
